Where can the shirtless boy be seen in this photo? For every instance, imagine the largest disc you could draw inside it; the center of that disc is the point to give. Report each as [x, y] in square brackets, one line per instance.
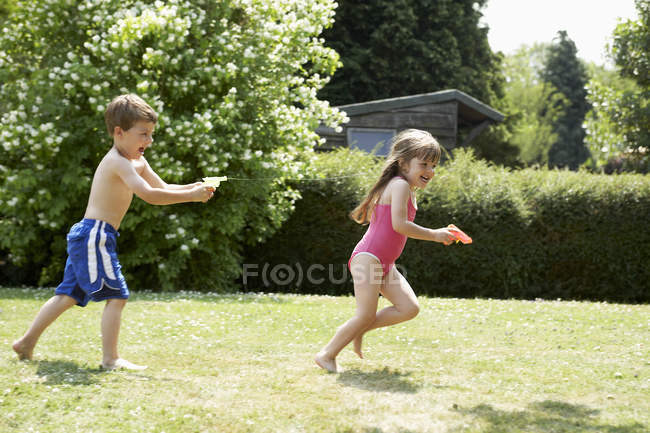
[92, 270]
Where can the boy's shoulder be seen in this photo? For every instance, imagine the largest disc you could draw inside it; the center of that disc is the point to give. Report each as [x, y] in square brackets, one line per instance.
[115, 161]
[110, 161]
[111, 155]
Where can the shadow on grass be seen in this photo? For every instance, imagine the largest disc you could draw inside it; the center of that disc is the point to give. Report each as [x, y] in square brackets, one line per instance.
[379, 380]
[67, 372]
[545, 416]
[61, 372]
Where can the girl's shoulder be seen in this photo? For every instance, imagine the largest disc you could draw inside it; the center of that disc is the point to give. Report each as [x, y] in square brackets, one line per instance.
[396, 183]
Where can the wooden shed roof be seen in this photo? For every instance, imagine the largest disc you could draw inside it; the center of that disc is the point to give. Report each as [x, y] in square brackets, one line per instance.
[470, 110]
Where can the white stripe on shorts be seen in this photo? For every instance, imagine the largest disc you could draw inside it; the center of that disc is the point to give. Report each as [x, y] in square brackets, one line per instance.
[106, 259]
[92, 254]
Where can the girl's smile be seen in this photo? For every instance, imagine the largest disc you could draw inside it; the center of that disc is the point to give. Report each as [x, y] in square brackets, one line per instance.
[419, 172]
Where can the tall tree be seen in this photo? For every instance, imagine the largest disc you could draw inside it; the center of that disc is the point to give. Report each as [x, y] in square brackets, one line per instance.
[533, 104]
[609, 123]
[631, 52]
[393, 48]
[631, 47]
[564, 71]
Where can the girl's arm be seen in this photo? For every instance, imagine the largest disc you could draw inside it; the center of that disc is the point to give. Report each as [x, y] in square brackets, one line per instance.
[399, 196]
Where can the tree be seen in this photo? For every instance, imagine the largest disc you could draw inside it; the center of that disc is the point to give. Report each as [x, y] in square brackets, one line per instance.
[234, 83]
[564, 71]
[393, 48]
[534, 105]
[631, 52]
[631, 46]
[606, 122]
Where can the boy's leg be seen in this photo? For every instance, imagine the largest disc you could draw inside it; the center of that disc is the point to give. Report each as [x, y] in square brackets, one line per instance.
[366, 272]
[405, 305]
[48, 313]
[111, 320]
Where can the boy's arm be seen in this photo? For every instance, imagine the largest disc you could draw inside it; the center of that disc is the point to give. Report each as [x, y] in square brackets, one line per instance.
[400, 195]
[158, 194]
[156, 182]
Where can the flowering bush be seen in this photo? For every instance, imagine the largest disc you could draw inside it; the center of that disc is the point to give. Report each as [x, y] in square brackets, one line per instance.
[234, 83]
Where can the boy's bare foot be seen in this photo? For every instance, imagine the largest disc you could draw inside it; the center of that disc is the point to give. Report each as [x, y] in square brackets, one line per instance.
[358, 341]
[325, 362]
[120, 363]
[23, 351]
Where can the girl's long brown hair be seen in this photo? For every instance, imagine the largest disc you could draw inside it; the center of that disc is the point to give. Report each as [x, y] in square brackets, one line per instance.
[408, 144]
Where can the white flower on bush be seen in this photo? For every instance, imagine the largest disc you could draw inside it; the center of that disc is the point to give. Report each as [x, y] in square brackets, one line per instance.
[143, 86]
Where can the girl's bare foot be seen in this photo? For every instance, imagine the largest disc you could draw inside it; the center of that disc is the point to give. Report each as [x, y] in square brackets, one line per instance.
[325, 362]
[23, 350]
[358, 341]
[120, 363]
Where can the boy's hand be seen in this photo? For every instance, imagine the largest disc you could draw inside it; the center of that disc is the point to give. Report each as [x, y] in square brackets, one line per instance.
[202, 192]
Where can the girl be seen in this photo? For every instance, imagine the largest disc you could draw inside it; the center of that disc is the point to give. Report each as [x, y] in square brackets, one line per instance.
[390, 208]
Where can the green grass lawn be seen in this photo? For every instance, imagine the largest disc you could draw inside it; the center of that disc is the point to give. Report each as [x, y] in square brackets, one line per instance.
[243, 363]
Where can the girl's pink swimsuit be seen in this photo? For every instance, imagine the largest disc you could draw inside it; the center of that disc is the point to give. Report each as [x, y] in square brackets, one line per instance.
[380, 239]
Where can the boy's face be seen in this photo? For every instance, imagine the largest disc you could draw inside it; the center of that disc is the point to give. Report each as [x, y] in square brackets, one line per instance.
[133, 142]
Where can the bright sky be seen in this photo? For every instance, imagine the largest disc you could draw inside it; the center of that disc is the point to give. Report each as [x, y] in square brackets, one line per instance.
[589, 23]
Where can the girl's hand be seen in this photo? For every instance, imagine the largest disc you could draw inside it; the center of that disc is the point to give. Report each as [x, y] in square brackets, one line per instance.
[444, 236]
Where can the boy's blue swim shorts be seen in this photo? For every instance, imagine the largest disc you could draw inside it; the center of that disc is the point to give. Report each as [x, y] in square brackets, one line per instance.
[92, 271]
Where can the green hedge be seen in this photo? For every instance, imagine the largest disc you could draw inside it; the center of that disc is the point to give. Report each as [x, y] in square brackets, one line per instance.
[537, 233]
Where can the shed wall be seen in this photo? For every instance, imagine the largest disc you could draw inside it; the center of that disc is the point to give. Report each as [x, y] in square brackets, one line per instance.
[441, 120]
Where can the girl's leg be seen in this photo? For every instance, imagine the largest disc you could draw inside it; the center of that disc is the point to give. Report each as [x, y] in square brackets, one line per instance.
[367, 276]
[48, 313]
[405, 305]
[111, 320]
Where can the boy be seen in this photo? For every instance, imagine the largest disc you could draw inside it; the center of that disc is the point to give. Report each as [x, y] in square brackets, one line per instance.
[92, 270]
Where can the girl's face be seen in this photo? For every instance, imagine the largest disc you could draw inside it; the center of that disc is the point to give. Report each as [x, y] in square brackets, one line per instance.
[418, 172]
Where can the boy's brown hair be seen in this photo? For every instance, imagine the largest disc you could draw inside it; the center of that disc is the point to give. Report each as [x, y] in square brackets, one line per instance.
[125, 110]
